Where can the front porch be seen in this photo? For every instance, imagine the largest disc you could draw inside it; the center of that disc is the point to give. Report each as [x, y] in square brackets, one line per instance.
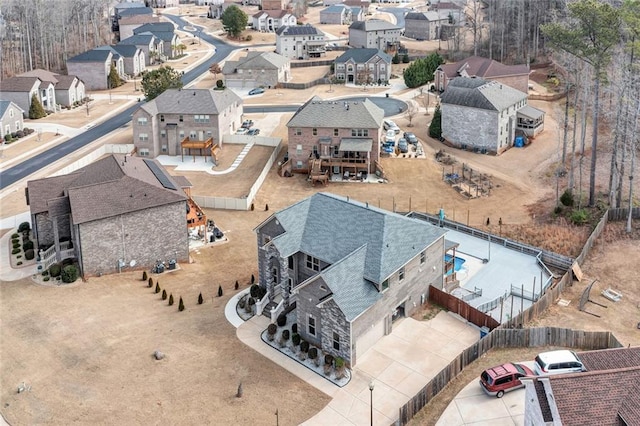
[530, 120]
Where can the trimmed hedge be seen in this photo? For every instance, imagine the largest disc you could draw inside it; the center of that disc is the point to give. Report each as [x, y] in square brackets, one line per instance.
[55, 270]
[29, 254]
[304, 346]
[313, 353]
[69, 274]
[328, 359]
[295, 339]
[282, 320]
[28, 245]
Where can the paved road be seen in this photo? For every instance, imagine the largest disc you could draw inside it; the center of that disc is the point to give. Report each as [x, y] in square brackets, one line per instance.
[33, 164]
[398, 12]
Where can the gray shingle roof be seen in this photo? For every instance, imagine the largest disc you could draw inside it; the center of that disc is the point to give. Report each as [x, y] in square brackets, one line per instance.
[288, 30]
[423, 16]
[43, 75]
[332, 228]
[108, 187]
[479, 93]
[256, 61]
[126, 50]
[4, 106]
[155, 26]
[66, 81]
[373, 25]
[319, 113]
[18, 84]
[135, 11]
[129, 5]
[138, 39]
[335, 8]
[530, 112]
[192, 101]
[362, 55]
[94, 55]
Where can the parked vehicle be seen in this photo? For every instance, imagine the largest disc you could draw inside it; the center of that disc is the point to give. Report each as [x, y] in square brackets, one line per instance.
[388, 147]
[403, 146]
[242, 131]
[411, 138]
[495, 381]
[390, 125]
[390, 137]
[253, 132]
[247, 124]
[558, 362]
[256, 91]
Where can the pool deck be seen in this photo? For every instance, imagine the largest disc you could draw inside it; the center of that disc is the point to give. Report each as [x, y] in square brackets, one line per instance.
[505, 267]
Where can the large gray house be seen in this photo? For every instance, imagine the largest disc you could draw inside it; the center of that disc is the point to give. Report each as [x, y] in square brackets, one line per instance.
[93, 67]
[265, 69]
[119, 212]
[374, 33]
[363, 66]
[423, 25]
[484, 115]
[181, 119]
[350, 268]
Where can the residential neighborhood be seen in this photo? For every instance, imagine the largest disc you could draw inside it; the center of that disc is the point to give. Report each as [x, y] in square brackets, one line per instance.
[319, 213]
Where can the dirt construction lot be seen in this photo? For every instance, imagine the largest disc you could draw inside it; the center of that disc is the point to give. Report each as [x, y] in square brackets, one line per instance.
[85, 350]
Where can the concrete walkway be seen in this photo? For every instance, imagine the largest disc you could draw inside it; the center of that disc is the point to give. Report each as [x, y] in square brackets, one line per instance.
[399, 365]
[201, 163]
[7, 273]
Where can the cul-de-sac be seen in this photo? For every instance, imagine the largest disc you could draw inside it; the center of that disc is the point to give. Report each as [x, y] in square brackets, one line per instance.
[320, 212]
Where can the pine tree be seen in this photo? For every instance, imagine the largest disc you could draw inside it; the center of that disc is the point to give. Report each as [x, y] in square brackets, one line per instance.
[435, 128]
[113, 80]
[170, 299]
[144, 276]
[35, 109]
[157, 288]
[181, 305]
[219, 291]
[200, 299]
[164, 294]
[150, 282]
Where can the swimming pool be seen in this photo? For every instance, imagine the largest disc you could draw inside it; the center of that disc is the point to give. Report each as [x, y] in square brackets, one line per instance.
[457, 262]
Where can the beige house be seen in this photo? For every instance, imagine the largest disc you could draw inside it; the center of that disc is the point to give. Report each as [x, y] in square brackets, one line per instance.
[300, 42]
[181, 120]
[374, 34]
[336, 136]
[265, 69]
[129, 23]
[69, 89]
[516, 76]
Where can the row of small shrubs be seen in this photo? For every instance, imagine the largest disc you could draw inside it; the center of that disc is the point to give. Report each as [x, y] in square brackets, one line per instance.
[169, 296]
[13, 136]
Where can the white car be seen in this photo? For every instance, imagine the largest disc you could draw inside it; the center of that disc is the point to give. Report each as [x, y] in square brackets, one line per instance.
[390, 137]
[390, 125]
[557, 362]
[242, 131]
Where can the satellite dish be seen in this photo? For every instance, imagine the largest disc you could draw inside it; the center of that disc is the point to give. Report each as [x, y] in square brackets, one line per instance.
[132, 263]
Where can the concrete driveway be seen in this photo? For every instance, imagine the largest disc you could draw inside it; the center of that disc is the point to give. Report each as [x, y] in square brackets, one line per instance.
[399, 365]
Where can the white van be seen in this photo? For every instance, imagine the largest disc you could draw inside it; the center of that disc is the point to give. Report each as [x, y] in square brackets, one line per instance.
[558, 362]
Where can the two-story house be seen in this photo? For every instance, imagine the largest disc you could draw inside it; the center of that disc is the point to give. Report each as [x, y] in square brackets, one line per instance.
[133, 58]
[20, 90]
[164, 31]
[350, 268]
[93, 67]
[482, 115]
[265, 69]
[268, 21]
[344, 136]
[274, 4]
[183, 118]
[423, 25]
[300, 42]
[68, 89]
[118, 212]
[341, 14]
[129, 23]
[11, 118]
[516, 76]
[363, 66]
[374, 33]
[151, 46]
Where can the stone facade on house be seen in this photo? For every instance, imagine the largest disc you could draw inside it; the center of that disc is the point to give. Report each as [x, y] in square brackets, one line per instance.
[340, 287]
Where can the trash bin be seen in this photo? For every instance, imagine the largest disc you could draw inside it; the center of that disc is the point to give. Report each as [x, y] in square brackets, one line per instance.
[172, 264]
[484, 331]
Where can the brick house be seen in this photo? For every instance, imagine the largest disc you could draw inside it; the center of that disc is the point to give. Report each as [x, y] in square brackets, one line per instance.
[151, 46]
[300, 41]
[68, 88]
[118, 212]
[268, 21]
[20, 90]
[257, 69]
[350, 268]
[93, 66]
[374, 33]
[129, 23]
[164, 31]
[341, 14]
[274, 4]
[516, 76]
[344, 136]
[423, 25]
[11, 119]
[185, 117]
[363, 66]
[484, 115]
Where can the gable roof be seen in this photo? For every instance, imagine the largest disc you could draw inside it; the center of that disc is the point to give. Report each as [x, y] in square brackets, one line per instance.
[138, 39]
[373, 25]
[336, 8]
[290, 30]
[318, 113]
[256, 60]
[126, 50]
[423, 16]
[278, 14]
[137, 19]
[111, 186]
[479, 93]
[135, 11]
[191, 101]
[363, 55]
[66, 81]
[477, 66]
[4, 106]
[94, 55]
[18, 84]
[607, 359]
[323, 226]
[155, 26]
[43, 75]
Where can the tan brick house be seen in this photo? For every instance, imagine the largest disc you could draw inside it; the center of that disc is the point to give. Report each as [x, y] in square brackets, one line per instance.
[516, 76]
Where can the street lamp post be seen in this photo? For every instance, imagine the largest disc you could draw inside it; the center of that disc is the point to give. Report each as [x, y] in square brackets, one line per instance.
[371, 385]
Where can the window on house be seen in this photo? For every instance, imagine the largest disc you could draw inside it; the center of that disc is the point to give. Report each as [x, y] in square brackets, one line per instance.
[193, 135]
[290, 262]
[142, 121]
[163, 134]
[312, 263]
[401, 274]
[336, 341]
[336, 132]
[298, 164]
[164, 148]
[423, 258]
[181, 134]
[18, 126]
[143, 152]
[336, 150]
[209, 134]
[314, 131]
[311, 325]
[143, 137]
[162, 118]
[11, 113]
[385, 285]
[298, 149]
[298, 132]
[181, 118]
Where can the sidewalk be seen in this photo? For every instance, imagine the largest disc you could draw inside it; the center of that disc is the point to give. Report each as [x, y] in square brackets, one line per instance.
[7, 273]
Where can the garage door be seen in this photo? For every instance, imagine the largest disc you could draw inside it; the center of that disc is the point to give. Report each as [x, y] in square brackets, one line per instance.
[238, 84]
[369, 338]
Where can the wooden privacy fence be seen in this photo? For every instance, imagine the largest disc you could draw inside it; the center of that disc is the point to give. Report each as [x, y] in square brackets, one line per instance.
[505, 338]
[458, 306]
[616, 215]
